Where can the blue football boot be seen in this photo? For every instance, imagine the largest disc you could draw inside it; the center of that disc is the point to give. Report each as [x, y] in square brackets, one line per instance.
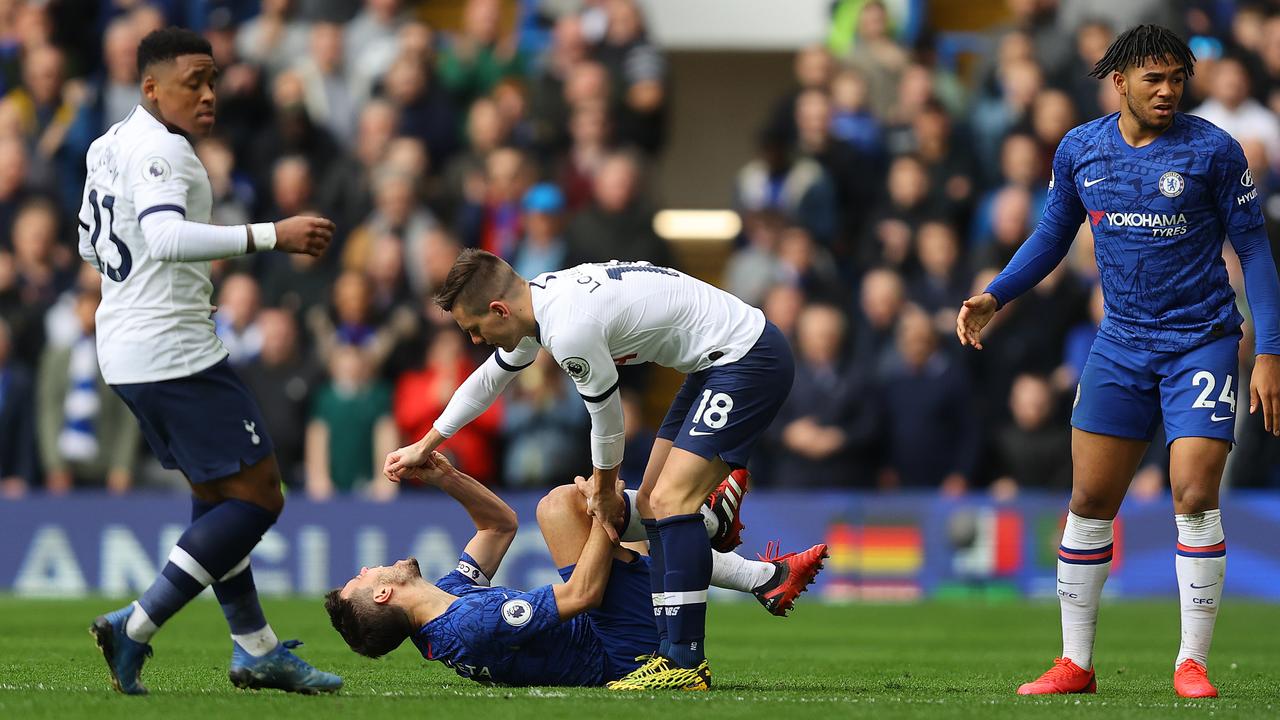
[280, 670]
[124, 655]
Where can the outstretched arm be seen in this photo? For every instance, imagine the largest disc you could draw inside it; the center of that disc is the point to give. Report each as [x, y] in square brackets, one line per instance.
[1262, 288]
[495, 521]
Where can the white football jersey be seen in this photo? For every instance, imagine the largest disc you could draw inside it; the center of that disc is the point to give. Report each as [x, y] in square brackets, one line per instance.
[595, 317]
[154, 321]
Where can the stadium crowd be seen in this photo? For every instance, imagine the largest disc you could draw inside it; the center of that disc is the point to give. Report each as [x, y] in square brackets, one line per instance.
[886, 187]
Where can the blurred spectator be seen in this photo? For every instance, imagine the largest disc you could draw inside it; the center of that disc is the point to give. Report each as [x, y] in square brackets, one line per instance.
[782, 305]
[797, 187]
[47, 110]
[543, 248]
[881, 300]
[753, 269]
[878, 57]
[1052, 115]
[825, 430]
[354, 322]
[283, 379]
[1019, 81]
[351, 431]
[619, 224]
[291, 132]
[813, 68]
[803, 263]
[328, 94]
[491, 220]
[1231, 108]
[17, 421]
[113, 91]
[420, 398]
[291, 187]
[88, 438]
[891, 226]
[1010, 226]
[588, 148]
[544, 423]
[232, 193]
[851, 120]
[1122, 15]
[548, 104]
[424, 109]
[396, 212]
[274, 39]
[464, 177]
[855, 176]
[942, 283]
[1091, 42]
[927, 405]
[1034, 450]
[474, 61]
[14, 188]
[1021, 165]
[371, 41]
[36, 274]
[1079, 342]
[348, 190]
[236, 320]
[637, 70]
[948, 163]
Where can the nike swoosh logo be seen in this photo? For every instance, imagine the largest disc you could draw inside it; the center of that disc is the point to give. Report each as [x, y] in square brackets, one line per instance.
[695, 432]
[1214, 417]
[1064, 582]
[1091, 183]
[1201, 587]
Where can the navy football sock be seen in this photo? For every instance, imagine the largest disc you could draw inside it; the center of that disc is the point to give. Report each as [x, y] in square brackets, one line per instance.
[657, 580]
[211, 547]
[687, 552]
[237, 594]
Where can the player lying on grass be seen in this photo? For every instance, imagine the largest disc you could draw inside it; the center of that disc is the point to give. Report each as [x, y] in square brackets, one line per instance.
[594, 628]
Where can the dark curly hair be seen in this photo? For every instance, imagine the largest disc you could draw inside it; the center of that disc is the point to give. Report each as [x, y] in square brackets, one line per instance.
[168, 43]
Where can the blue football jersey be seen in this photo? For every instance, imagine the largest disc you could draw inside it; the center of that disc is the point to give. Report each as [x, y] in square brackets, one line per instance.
[1159, 215]
[504, 636]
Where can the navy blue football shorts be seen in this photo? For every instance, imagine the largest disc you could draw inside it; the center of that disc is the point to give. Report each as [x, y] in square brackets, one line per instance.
[207, 425]
[723, 410]
[1124, 391]
[624, 621]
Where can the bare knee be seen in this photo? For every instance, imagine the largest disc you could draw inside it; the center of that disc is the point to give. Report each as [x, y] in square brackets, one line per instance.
[1088, 504]
[562, 502]
[1194, 498]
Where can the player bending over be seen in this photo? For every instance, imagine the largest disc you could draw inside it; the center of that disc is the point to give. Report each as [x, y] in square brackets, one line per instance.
[1161, 190]
[592, 318]
[144, 225]
[594, 628]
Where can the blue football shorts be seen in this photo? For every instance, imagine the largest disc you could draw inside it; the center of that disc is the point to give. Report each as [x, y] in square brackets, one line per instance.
[1124, 391]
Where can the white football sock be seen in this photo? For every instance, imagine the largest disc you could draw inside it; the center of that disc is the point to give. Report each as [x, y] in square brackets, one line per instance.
[732, 571]
[635, 532]
[258, 643]
[1084, 560]
[1201, 561]
[139, 626]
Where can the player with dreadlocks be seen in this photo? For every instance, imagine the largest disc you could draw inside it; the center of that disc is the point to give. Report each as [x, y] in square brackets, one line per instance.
[1160, 190]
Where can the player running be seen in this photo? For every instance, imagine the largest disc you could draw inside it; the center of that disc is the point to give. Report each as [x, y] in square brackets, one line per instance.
[593, 629]
[1160, 189]
[592, 318]
[144, 225]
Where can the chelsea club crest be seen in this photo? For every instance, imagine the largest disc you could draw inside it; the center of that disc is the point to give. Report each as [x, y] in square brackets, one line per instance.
[1171, 184]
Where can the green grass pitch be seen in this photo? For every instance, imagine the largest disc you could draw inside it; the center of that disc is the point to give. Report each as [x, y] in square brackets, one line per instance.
[936, 660]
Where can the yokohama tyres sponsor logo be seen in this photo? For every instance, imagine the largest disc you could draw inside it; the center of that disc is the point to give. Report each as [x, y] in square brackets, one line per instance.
[1161, 224]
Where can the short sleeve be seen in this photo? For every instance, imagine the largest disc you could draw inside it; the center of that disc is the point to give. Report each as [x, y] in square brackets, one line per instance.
[1063, 207]
[583, 353]
[157, 179]
[1238, 206]
[466, 574]
[513, 618]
